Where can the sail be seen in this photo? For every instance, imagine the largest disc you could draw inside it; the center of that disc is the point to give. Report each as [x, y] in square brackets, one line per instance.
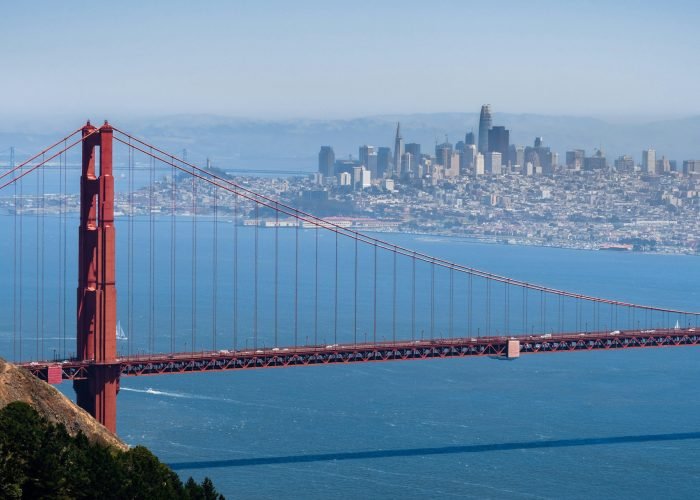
[120, 332]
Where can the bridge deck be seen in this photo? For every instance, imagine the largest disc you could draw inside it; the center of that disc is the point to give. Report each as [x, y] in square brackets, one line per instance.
[161, 364]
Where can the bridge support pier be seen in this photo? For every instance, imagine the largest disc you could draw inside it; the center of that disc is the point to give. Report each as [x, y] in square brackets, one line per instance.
[513, 349]
[97, 294]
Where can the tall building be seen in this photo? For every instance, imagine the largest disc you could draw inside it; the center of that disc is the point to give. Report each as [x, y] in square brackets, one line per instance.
[467, 159]
[663, 165]
[368, 158]
[479, 164]
[398, 150]
[493, 163]
[574, 159]
[451, 167]
[407, 165]
[517, 155]
[499, 140]
[649, 161]
[541, 157]
[414, 149]
[595, 162]
[365, 151]
[443, 152]
[383, 161]
[691, 167]
[469, 138]
[624, 163]
[326, 160]
[485, 122]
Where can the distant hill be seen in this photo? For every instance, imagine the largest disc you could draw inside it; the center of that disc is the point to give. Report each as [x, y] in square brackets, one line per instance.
[293, 144]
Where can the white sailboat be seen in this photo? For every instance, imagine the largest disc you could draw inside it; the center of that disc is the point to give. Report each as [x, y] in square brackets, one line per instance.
[120, 332]
[678, 326]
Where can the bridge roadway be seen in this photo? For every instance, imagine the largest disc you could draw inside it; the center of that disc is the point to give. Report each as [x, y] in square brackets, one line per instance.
[162, 364]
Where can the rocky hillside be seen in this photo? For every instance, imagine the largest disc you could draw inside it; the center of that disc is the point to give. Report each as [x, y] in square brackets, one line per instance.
[19, 385]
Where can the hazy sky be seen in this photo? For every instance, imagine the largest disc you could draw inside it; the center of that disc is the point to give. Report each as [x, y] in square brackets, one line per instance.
[277, 59]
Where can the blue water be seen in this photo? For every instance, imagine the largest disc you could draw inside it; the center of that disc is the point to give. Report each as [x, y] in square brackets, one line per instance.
[579, 425]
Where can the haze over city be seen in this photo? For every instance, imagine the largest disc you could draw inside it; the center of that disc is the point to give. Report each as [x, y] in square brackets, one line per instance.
[317, 59]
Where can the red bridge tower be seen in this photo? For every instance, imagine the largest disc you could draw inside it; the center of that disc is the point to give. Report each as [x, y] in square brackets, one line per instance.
[97, 294]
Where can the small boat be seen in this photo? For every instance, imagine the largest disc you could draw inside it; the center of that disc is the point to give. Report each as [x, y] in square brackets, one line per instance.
[120, 332]
[678, 326]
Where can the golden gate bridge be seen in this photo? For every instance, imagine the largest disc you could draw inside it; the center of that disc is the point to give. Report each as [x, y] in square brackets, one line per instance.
[316, 293]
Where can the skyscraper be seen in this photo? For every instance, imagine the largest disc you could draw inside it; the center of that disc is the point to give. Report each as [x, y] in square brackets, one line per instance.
[443, 152]
[414, 149]
[649, 161]
[383, 161]
[326, 160]
[485, 122]
[492, 163]
[499, 140]
[365, 151]
[368, 158]
[398, 150]
[469, 138]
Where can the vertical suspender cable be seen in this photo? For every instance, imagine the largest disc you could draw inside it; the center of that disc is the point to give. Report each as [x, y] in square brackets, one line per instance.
[470, 304]
[413, 297]
[432, 299]
[37, 269]
[277, 223]
[194, 261]
[505, 308]
[255, 278]
[235, 270]
[215, 267]
[59, 287]
[374, 299]
[21, 258]
[173, 245]
[130, 254]
[296, 280]
[151, 255]
[14, 263]
[452, 293]
[488, 307]
[64, 266]
[43, 256]
[393, 298]
[316, 286]
[335, 301]
[354, 320]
